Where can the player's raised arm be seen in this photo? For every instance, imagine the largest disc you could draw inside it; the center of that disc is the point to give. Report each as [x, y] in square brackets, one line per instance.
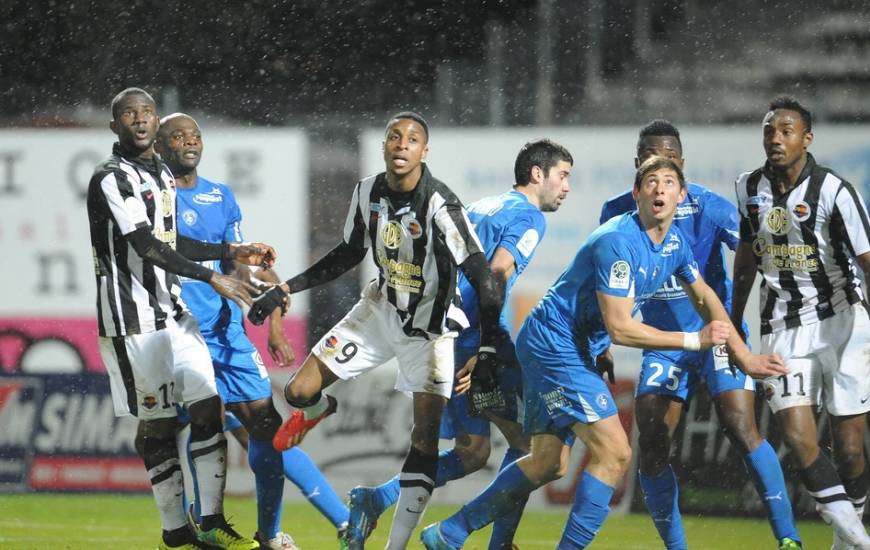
[710, 308]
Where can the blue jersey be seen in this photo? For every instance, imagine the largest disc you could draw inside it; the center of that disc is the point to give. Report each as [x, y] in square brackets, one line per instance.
[508, 221]
[617, 259]
[707, 221]
[209, 212]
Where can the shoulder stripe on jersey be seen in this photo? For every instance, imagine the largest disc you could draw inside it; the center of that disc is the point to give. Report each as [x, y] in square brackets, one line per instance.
[858, 202]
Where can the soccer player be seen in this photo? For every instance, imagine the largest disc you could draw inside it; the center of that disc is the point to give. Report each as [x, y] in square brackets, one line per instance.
[208, 212]
[152, 348]
[509, 226]
[419, 234]
[804, 228]
[621, 265]
[668, 378]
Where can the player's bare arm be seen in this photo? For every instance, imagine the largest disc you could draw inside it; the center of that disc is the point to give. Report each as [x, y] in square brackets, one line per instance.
[627, 331]
[280, 348]
[710, 308]
[744, 278]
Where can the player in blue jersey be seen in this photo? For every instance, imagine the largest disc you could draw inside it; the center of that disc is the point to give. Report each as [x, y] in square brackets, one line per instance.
[509, 227]
[668, 378]
[208, 212]
[620, 266]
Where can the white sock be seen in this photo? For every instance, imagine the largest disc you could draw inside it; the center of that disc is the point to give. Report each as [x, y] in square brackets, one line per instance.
[840, 514]
[409, 510]
[167, 486]
[210, 460]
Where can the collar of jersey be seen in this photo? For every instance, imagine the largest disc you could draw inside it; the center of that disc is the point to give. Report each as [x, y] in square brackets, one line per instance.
[154, 167]
[419, 189]
[805, 173]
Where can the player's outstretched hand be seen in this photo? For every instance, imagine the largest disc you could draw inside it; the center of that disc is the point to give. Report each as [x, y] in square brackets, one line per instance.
[241, 292]
[715, 333]
[263, 306]
[485, 394]
[604, 364]
[763, 365]
[280, 347]
[259, 254]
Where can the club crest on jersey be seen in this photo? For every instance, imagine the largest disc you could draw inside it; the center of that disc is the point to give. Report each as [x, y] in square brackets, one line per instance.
[392, 235]
[189, 217]
[601, 399]
[619, 274]
[149, 401]
[801, 211]
[776, 220]
[412, 226]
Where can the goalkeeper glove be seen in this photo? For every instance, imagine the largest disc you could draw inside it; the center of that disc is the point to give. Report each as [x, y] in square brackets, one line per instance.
[485, 394]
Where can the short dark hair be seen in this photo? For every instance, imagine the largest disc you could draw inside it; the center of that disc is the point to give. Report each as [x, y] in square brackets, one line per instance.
[413, 116]
[790, 103]
[544, 153]
[659, 127]
[124, 93]
[656, 163]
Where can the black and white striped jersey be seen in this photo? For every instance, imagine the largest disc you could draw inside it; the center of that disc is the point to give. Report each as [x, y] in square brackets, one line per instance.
[418, 239]
[804, 242]
[125, 193]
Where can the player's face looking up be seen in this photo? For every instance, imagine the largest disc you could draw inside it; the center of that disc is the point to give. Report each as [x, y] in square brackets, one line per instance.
[405, 148]
[554, 187]
[179, 142]
[785, 138]
[135, 122]
[658, 194]
[659, 146]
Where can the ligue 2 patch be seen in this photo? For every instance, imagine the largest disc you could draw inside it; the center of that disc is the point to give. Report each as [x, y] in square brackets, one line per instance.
[619, 272]
[801, 211]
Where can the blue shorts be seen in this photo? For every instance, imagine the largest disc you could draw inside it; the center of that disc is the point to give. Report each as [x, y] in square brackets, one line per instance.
[559, 389]
[238, 368]
[677, 373]
[456, 419]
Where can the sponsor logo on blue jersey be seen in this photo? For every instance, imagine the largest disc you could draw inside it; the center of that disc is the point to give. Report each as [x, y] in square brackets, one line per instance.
[212, 197]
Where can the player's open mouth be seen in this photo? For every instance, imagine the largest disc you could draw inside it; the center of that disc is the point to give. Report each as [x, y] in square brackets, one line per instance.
[400, 161]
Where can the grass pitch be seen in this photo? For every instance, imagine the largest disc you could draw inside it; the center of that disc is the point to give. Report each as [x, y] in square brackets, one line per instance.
[131, 522]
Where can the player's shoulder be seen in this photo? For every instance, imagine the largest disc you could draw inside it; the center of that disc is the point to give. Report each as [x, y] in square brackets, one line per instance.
[618, 204]
[434, 186]
[215, 186]
[114, 165]
[620, 231]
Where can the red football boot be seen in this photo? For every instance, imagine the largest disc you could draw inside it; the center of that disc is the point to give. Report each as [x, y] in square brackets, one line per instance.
[294, 429]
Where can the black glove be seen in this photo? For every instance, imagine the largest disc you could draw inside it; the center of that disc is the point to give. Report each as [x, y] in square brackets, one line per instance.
[266, 303]
[485, 394]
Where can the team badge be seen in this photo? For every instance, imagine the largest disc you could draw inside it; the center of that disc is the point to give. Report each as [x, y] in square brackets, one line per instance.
[391, 235]
[412, 226]
[330, 345]
[801, 211]
[189, 217]
[601, 399]
[619, 274]
[149, 401]
[776, 220]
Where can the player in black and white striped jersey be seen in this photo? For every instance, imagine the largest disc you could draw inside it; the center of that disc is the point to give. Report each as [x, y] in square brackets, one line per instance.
[151, 345]
[805, 230]
[419, 235]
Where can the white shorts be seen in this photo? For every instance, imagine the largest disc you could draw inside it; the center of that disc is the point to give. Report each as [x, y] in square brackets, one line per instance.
[371, 334]
[828, 362]
[149, 373]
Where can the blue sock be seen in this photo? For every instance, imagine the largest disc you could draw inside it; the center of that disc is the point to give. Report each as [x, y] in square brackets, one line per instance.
[265, 462]
[766, 473]
[590, 509]
[504, 527]
[661, 494]
[304, 473]
[449, 468]
[501, 496]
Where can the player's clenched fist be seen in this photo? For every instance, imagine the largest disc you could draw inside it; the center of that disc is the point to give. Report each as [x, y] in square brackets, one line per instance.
[714, 334]
[266, 303]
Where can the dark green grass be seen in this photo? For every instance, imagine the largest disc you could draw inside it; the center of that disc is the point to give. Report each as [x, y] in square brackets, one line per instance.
[118, 521]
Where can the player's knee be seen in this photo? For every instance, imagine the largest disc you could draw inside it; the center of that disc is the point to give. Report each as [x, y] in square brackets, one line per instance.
[265, 423]
[803, 445]
[849, 456]
[474, 452]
